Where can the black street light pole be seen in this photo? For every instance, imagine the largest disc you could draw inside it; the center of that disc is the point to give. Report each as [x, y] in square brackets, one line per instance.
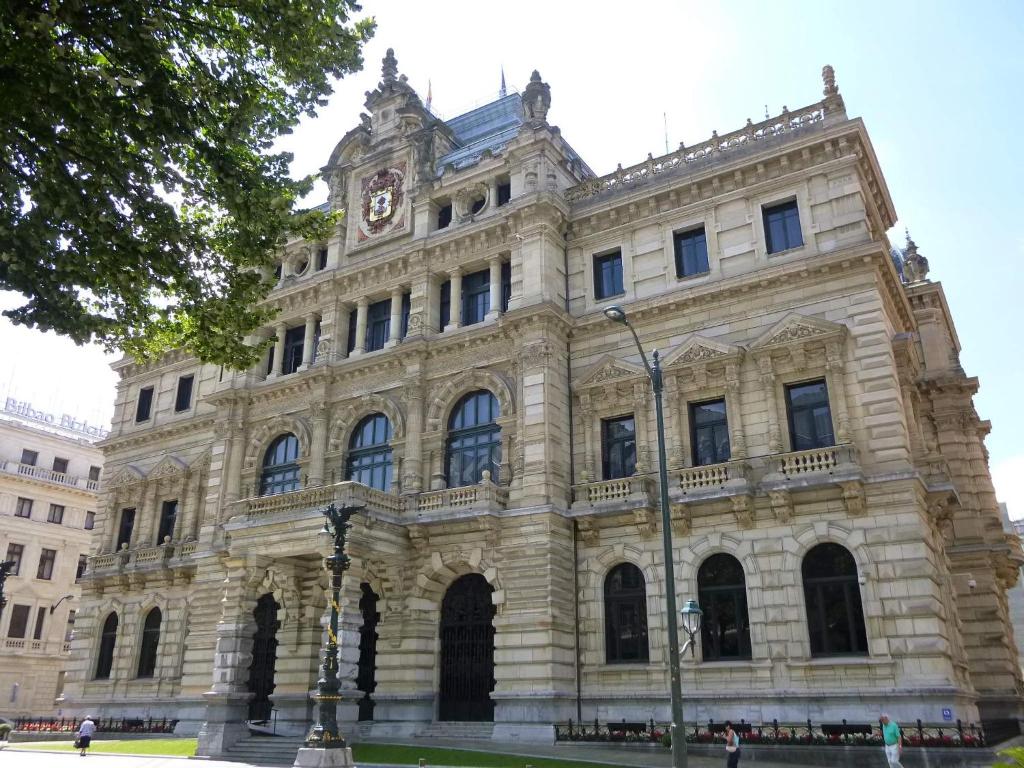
[5, 568]
[325, 734]
[618, 314]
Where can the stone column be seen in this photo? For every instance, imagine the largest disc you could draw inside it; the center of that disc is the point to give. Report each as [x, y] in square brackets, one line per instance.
[495, 288]
[318, 446]
[455, 299]
[768, 385]
[149, 518]
[676, 426]
[834, 378]
[644, 446]
[361, 308]
[412, 465]
[235, 444]
[587, 416]
[308, 353]
[342, 319]
[734, 412]
[280, 329]
[395, 324]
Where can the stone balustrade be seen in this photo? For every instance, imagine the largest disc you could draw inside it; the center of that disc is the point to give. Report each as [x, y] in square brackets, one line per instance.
[49, 476]
[825, 459]
[629, 491]
[485, 495]
[143, 557]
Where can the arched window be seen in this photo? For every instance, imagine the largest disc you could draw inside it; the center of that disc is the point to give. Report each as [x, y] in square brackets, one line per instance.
[280, 470]
[625, 615]
[474, 440]
[835, 616]
[150, 641]
[369, 455]
[722, 593]
[108, 638]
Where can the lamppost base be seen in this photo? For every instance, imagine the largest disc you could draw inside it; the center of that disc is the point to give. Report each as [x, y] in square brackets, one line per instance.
[318, 757]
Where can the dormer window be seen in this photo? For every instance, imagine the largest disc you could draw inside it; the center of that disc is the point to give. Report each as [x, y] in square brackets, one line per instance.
[444, 216]
[504, 192]
[321, 258]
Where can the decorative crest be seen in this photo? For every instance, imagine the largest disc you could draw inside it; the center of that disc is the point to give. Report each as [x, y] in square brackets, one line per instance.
[537, 99]
[915, 266]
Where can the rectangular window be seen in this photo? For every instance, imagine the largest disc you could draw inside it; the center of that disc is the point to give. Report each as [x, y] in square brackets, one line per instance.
[183, 397]
[691, 252]
[94, 474]
[378, 324]
[608, 275]
[29, 457]
[352, 316]
[504, 192]
[321, 259]
[445, 311]
[444, 216]
[782, 227]
[14, 554]
[56, 514]
[40, 619]
[506, 284]
[476, 297]
[83, 563]
[90, 520]
[124, 532]
[293, 342]
[618, 447]
[19, 621]
[406, 306]
[60, 465]
[810, 417]
[709, 432]
[23, 508]
[69, 630]
[278, 270]
[144, 404]
[46, 560]
[168, 515]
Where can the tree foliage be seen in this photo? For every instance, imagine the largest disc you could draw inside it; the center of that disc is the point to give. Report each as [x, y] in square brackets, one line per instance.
[141, 199]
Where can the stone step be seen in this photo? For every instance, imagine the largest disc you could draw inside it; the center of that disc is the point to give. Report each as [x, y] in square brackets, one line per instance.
[264, 750]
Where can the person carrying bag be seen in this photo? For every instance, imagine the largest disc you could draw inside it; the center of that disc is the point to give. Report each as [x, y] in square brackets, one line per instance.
[732, 746]
[84, 737]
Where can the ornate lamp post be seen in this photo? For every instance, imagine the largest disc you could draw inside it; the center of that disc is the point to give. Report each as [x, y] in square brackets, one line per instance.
[325, 746]
[5, 568]
[618, 314]
[692, 615]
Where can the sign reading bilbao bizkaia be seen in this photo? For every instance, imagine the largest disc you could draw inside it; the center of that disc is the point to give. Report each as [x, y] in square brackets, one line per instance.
[66, 421]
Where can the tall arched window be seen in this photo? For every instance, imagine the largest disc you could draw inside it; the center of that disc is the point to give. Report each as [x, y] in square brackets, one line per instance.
[150, 642]
[835, 616]
[108, 638]
[625, 615]
[369, 455]
[280, 470]
[722, 593]
[474, 440]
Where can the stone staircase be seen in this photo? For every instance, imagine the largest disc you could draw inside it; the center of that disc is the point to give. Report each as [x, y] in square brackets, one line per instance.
[457, 731]
[265, 750]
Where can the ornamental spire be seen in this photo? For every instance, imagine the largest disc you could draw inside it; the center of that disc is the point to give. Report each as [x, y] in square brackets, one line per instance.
[389, 67]
[828, 77]
[915, 266]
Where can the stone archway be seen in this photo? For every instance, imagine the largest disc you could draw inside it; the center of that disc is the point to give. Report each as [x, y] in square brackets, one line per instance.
[264, 657]
[467, 651]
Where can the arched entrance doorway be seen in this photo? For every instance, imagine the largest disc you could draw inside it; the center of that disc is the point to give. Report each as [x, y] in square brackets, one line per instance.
[366, 679]
[264, 657]
[467, 651]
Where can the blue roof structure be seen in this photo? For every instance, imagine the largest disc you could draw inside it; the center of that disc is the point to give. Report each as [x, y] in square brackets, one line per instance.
[489, 127]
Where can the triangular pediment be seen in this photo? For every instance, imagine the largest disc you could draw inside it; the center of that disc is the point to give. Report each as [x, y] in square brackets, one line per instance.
[168, 466]
[796, 328]
[126, 475]
[699, 349]
[608, 369]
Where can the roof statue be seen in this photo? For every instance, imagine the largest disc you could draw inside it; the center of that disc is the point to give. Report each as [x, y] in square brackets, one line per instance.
[831, 90]
[915, 266]
[389, 68]
[537, 99]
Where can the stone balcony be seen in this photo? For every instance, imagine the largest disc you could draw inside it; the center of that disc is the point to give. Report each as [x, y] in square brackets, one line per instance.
[22, 646]
[796, 470]
[623, 493]
[709, 482]
[48, 476]
[142, 558]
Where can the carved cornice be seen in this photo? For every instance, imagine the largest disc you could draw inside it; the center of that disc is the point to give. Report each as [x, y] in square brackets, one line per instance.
[158, 434]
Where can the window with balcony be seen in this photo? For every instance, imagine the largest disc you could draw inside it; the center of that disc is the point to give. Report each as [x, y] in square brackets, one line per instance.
[144, 405]
[782, 227]
[378, 325]
[709, 432]
[835, 616]
[369, 453]
[474, 440]
[810, 417]
[321, 259]
[29, 457]
[168, 516]
[618, 447]
[19, 621]
[444, 216]
[37, 633]
[476, 297]
[691, 249]
[47, 558]
[294, 339]
[504, 192]
[722, 594]
[625, 615]
[280, 466]
[94, 474]
[108, 639]
[90, 520]
[56, 514]
[15, 552]
[150, 643]
[83, 563]
[608, 275]
[183, 396]
[126, 528]
[23, 508]
[60, 465]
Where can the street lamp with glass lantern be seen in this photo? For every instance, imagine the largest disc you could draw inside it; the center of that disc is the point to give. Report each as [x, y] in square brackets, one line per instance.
[692, 615]
[618, 314]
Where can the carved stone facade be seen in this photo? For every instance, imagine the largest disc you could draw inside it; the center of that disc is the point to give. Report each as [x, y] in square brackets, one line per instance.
[472, 270]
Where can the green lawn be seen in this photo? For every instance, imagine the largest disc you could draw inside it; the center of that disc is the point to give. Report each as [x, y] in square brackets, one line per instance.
[367, 753]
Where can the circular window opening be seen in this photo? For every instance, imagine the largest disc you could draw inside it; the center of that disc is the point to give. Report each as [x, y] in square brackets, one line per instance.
[477, 204]
[299, 266]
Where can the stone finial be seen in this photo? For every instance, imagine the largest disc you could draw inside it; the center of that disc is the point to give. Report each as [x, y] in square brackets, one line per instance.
[828, 77]
[389, 67]
[537, 99]
[915, 266]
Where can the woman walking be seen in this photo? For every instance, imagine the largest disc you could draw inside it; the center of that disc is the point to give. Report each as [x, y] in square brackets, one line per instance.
[85, 732]
[732, 746]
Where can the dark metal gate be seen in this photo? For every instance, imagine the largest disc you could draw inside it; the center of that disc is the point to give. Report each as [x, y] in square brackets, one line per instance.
[264, 657]
[467, 651]
[366, 680]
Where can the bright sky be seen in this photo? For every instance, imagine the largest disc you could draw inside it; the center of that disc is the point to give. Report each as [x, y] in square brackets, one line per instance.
[938, 85]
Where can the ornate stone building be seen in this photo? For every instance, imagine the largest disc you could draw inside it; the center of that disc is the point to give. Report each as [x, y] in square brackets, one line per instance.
[443, 361]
